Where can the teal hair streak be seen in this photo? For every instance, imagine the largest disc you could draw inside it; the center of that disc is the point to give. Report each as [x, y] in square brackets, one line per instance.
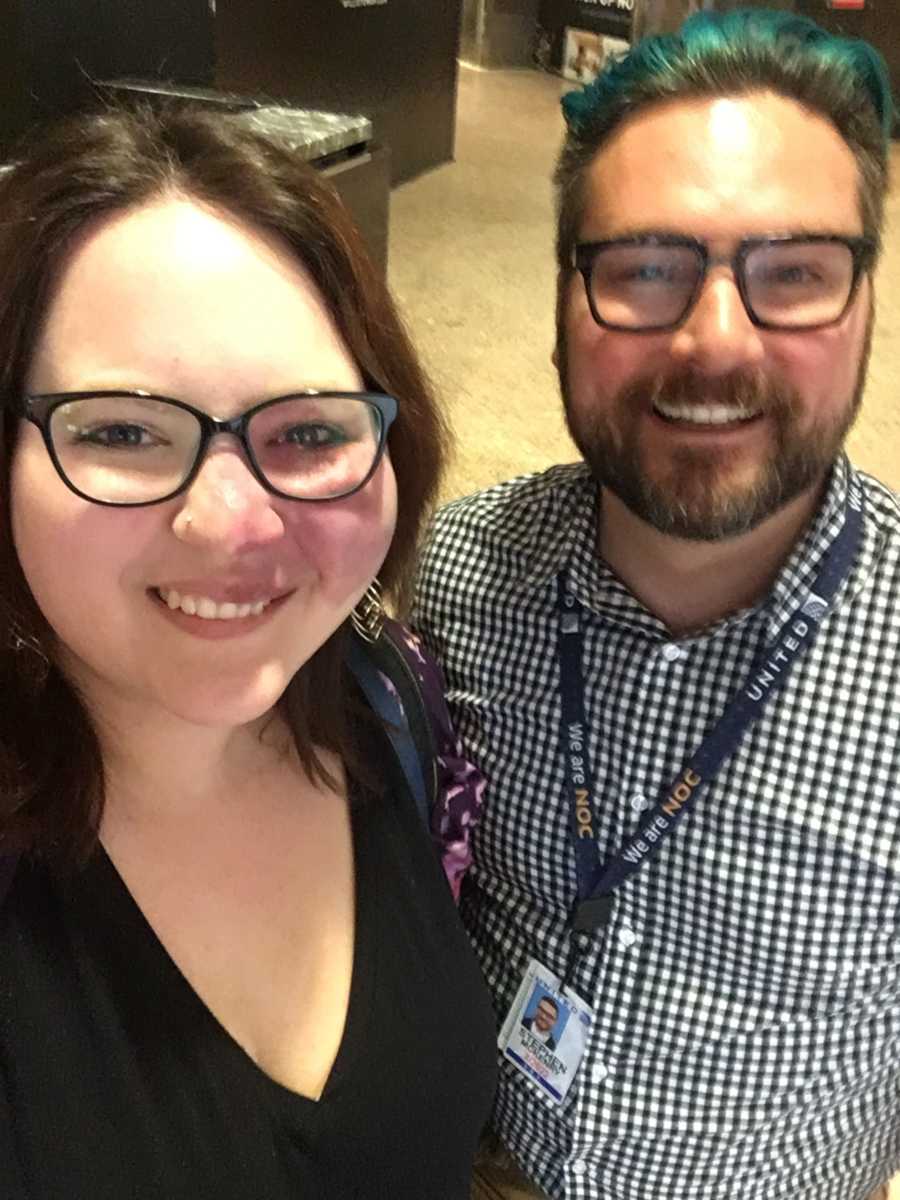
[709, 37]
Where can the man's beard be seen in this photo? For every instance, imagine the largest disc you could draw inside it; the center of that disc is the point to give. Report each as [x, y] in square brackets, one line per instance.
[692, 496]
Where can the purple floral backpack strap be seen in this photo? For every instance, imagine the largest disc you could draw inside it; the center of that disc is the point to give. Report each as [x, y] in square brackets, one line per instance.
[458, 785]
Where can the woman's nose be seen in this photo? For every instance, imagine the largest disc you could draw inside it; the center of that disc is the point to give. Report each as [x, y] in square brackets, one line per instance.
[226, 505]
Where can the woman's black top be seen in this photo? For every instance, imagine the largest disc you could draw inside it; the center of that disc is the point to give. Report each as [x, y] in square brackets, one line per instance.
[117, 1083]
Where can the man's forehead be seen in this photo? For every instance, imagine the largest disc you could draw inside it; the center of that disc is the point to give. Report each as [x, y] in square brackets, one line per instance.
[723, 166]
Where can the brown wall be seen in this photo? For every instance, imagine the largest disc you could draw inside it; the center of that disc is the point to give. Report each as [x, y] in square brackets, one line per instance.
[387, 61]
[49, 48]
[878, 23]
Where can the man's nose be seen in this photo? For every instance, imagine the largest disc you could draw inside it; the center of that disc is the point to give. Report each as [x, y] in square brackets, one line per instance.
[718, 336]
[226, 505]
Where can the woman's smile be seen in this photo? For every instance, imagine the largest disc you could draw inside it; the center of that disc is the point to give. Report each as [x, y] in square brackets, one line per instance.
[204, 617]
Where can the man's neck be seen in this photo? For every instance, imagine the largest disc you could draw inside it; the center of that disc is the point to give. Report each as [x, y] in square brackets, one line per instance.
[689, 584]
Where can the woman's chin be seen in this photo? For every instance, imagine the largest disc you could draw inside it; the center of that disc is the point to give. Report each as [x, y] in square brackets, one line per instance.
[220, 702]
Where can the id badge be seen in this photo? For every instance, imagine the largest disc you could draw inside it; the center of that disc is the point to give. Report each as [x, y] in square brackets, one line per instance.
[545, 1032]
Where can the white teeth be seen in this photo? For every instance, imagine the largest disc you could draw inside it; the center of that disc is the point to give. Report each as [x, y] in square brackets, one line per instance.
[211, 610]
[705, 414]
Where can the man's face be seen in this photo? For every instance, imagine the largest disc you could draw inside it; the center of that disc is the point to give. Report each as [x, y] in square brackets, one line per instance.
[545, 1016]
[719, 170]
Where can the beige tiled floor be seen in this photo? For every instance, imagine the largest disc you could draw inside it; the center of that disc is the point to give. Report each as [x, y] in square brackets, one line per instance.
[472, 265]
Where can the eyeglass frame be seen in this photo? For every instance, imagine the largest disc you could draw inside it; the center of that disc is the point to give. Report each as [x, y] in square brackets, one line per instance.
[39, 410]
[861, 247]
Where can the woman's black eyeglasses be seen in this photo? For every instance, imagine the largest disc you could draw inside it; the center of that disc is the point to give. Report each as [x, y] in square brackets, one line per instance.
[131, 448]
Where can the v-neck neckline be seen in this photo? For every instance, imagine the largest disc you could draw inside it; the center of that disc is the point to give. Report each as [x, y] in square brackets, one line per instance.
[359, 1007]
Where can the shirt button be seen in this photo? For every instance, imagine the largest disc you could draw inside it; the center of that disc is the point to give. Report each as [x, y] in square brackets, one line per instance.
[627, 936]
[670, 651]
[639, 803]
[601, 1070]
[579, 1168]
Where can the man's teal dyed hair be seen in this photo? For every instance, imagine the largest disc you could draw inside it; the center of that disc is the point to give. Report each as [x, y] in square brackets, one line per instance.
[731, 54]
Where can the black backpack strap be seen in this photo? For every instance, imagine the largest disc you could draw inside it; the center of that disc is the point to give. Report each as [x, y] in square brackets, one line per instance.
[393, 658]
[408, 727]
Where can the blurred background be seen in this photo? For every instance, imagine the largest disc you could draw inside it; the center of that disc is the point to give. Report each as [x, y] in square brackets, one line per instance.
[440, 132]
[439, 123]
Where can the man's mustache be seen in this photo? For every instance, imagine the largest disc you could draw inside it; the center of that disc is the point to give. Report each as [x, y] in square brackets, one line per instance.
[751, 390]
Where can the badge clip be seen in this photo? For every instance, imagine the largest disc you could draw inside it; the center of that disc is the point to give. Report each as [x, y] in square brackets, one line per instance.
[594, 913]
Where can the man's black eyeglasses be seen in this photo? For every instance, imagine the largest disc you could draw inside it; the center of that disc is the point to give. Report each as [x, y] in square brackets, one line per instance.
[650, 282]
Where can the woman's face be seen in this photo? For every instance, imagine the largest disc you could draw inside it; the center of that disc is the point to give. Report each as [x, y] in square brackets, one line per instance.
[176, 300]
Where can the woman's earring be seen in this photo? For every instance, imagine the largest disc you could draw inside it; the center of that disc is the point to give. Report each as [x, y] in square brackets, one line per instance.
[368, 616]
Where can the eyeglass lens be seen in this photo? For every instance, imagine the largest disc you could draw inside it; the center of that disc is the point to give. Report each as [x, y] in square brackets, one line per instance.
[134, 450]
[792, 284]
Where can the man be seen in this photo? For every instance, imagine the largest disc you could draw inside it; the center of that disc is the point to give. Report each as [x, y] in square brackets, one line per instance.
[540, 1025]
[721, 894]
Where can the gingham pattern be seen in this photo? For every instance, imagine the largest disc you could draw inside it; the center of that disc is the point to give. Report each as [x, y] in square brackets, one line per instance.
[747, 993]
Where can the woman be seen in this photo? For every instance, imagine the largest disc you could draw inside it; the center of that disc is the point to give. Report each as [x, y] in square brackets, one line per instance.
[229, 963]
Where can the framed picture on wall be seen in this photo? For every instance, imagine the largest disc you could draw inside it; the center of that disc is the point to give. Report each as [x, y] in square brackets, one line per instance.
[585, 53]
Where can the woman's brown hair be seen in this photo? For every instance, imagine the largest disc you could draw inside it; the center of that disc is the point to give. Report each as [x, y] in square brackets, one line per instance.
[51, 770]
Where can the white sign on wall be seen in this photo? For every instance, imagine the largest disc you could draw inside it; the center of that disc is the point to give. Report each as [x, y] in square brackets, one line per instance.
[623, 5]
[361, 3]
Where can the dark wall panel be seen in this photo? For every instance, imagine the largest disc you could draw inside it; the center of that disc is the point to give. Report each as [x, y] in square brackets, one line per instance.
[384, 60]
[62, 42]
[168, 39]
[16, 107]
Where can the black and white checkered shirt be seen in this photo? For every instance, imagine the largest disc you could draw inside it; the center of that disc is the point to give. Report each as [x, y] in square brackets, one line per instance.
[747, 992]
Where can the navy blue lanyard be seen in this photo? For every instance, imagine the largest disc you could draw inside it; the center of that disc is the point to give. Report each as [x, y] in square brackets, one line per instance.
[598, 879]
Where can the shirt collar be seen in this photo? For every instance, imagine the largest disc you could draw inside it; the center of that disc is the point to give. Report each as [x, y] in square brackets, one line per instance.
[798, 573]
[564, 538]
[563, 530]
